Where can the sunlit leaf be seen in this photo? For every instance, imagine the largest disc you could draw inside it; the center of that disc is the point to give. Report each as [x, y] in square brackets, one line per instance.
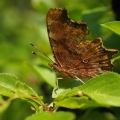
[3, 105]
[103, 89]
[113, 26]
[52, 116]
[10, 86]
[46, 74]
[77, 102]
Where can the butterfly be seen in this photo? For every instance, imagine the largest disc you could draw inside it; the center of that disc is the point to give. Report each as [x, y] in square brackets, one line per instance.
[74, 56]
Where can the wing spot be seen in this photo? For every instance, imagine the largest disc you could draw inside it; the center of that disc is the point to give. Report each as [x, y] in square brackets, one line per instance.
[85, 61]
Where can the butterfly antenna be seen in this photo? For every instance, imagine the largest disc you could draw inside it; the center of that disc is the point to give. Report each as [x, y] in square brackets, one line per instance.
[40, 52]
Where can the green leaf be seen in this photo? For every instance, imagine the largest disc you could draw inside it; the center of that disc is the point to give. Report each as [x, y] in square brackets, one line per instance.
[13, 85]
[97, 115]
[65, 84]
[46, 74]
[76, 102]
[52, 116]
[10, 86]
[113, 26]
[104, 89]
[62, 94]
[3, 105]
[116, 62]
[7, 84]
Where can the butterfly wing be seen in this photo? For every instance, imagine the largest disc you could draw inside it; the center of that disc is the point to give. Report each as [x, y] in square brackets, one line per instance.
[74, 57]
[94, 59]
[64, 33]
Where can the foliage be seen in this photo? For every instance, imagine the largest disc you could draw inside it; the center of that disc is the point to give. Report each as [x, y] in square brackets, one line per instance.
[114, 26]
[23, 22]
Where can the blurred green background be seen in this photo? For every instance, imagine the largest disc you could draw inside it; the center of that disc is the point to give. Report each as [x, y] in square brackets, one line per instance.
[24, 21]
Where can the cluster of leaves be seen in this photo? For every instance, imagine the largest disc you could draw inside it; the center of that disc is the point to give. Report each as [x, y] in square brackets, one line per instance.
[100, 92]
[22, 22]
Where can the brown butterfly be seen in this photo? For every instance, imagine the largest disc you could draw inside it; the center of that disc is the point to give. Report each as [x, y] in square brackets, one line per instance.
[75, 58]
